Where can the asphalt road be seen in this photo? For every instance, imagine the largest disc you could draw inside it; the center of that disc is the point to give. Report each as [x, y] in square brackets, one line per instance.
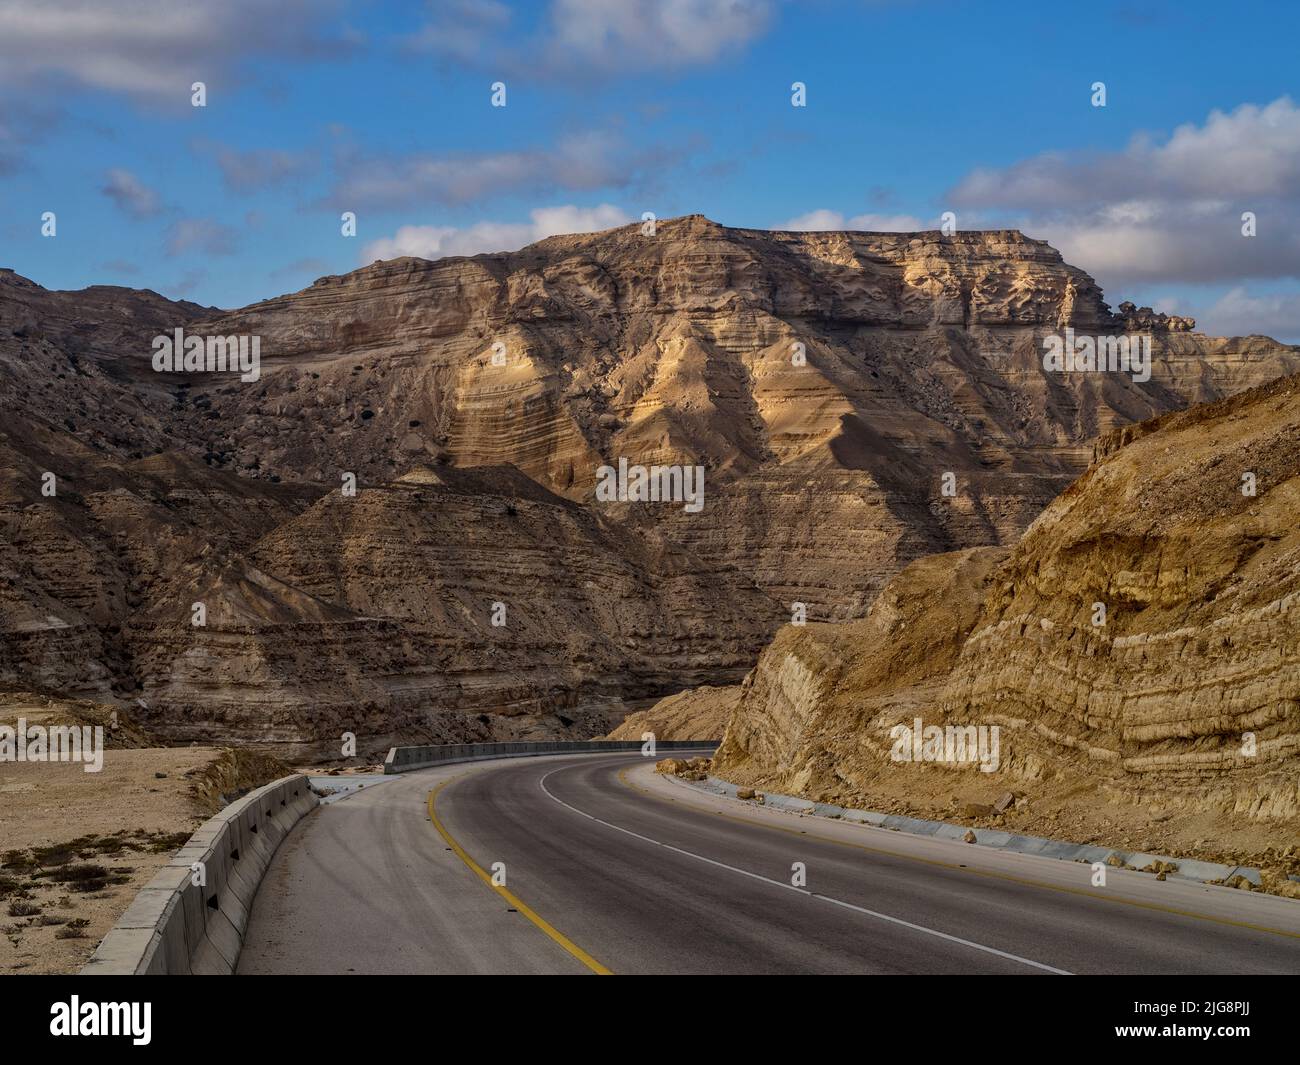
[608, 867]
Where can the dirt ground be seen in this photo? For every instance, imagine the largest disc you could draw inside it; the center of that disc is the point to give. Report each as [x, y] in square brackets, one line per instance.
[75, 847]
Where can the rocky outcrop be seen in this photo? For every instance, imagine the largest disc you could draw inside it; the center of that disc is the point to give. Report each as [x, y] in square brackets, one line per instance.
[1144, 319]
[814, 715]
[1136, 653]
[695, 714]
[1147, 623]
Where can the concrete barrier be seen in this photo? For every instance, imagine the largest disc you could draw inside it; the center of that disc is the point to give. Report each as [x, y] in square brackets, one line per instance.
[405, 759]
[175, 927]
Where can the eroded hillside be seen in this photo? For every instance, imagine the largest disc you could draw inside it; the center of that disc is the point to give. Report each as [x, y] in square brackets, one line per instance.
[825, 382]
[1137, 651]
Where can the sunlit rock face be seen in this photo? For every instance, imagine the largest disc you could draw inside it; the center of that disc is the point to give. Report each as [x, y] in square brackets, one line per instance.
[855, 400]
[1138, 648]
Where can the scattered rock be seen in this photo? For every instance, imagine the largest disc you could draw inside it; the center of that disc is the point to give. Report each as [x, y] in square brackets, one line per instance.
[691, 769]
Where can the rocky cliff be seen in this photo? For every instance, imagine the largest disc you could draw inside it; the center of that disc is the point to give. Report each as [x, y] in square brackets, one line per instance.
[856, 400]
[1147, 622]
[814, 715]
[1137, 651]
[836, 376]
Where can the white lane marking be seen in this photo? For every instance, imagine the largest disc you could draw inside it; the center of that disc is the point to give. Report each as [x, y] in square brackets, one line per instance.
[800, 891]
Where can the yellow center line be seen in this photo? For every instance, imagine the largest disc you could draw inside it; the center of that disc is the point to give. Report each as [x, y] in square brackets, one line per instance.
[622, 776]
[554, 933]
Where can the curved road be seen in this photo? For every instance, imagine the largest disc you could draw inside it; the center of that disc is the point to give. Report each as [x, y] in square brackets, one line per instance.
[609, 868]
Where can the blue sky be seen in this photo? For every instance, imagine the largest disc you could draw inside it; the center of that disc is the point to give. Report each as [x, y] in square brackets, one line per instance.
[914, 107]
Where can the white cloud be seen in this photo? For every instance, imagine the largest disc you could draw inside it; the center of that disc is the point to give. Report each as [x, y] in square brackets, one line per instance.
[579, 162]
[823, 220]
[818, 220]
[460, 29]
[1250, 152]
[433, 242]
[1163, 211]
[1237, 313]
[579, 39]
[202, 235]
[618, 34]
[1194, 243]
[131, 194]
[152, 48]
[260, 168]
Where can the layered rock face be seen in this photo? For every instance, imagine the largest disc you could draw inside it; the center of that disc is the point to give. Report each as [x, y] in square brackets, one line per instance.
[855, 400]
[448, 604]
[112, 538]
[1138, 652]
[814, 715]
[1148, 621]
[836, 377]
[833, 376]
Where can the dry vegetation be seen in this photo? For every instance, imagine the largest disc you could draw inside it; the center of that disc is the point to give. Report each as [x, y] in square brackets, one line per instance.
[77, 846]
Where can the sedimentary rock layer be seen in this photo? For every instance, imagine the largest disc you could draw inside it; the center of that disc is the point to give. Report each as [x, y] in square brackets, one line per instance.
[856, 401]
[1139, 647]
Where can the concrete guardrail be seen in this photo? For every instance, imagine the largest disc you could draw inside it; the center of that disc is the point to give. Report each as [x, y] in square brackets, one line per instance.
[177, 927]
[405, 759]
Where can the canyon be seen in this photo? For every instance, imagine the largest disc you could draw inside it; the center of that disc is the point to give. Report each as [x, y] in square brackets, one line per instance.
[831, 385]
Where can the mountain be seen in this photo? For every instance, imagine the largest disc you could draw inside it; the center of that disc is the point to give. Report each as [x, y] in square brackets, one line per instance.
[473, 401]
